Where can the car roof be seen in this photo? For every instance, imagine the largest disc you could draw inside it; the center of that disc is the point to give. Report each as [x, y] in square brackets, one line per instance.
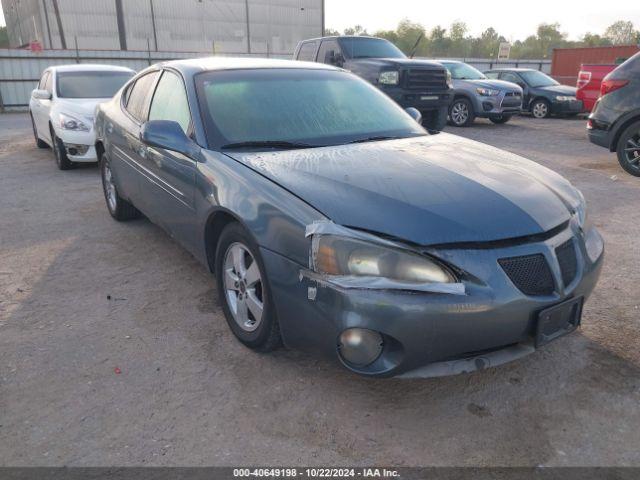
[505, 69]
[205, 64]
[341, 36]
[88, 67]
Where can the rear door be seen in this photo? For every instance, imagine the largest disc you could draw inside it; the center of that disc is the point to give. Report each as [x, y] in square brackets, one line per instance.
[328, 51]
[125, 148]
[169, 177]
[307, 51]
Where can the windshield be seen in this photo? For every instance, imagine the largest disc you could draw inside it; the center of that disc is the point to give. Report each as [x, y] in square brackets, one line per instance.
[535, 79]
[100, 84]
[462, 71]
[313, 107]
[354, 47]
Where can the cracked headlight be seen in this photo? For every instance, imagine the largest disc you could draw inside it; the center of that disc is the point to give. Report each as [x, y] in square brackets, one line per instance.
[487, 92]
[391, 77]
[68, 122]
[336, 255]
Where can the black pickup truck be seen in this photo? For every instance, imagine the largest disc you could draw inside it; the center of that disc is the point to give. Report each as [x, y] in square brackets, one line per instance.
[420, 84]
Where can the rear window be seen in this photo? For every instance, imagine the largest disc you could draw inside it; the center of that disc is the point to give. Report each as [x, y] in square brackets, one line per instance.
[307, 52]
[99, 84]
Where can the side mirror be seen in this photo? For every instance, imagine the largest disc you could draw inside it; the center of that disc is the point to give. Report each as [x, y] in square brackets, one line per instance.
[168, 135]
[415, 114]
[41, 94]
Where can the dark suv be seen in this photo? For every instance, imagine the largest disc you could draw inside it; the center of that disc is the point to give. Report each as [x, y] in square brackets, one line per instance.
[421, 84]
[615, 120]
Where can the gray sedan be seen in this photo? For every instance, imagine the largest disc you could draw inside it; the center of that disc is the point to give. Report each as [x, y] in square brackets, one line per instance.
[333, 222]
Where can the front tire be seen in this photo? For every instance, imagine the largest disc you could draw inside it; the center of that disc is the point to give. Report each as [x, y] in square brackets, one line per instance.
[461, 113]
[540, 109]
[244, 290]
[628, 149]
[118, 207]
[500, 119]
[60, 153]
[39, 143]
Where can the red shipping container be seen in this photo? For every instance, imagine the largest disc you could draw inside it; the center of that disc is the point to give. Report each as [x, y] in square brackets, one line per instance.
[565, 63]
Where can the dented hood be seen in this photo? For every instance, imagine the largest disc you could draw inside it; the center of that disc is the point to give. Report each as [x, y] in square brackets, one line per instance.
[425, 190]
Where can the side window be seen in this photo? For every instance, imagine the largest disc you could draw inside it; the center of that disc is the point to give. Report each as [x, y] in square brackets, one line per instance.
[43, 80]
[511, 77]
[307, 52]
[48, 83]
[138, 95]
[328, 50]
[170, 101]
[493, 75]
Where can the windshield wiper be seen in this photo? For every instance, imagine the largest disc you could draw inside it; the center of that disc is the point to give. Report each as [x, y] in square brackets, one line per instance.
[283, 144]
[374, 139]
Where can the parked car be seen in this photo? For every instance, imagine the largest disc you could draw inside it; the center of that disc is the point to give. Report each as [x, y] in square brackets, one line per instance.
[333, 222]
[590, 78]
[615, 120]
[543, 96]
[475, 95]
[422, 84]
[63, 105]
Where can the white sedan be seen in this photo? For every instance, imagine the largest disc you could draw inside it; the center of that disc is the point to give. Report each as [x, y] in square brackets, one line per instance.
[63, 105]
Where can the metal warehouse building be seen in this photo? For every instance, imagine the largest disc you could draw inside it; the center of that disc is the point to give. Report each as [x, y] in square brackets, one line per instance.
[220, 26]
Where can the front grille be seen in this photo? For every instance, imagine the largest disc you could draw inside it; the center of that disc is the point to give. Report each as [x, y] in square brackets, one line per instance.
[566, 254]
[530, 273]
[425, 79]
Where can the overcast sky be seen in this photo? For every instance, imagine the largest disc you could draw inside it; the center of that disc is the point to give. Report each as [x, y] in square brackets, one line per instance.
[512, 19]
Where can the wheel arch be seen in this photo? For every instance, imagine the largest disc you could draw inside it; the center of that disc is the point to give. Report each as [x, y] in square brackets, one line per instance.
[621, 128]
[215, 224]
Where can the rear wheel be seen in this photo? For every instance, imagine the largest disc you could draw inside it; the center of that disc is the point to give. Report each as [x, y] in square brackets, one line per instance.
[39, 143]
[461, 113]
[540, 108]
[244, 290]
[60, 153]
[118, 207]
[628, 149]
[434, 120]
[498, 119]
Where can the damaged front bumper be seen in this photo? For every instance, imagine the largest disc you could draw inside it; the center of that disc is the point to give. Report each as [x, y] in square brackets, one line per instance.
[487, 322]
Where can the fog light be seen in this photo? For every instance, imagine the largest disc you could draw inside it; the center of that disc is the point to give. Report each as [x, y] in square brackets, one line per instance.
[594, 244]
[360, 347]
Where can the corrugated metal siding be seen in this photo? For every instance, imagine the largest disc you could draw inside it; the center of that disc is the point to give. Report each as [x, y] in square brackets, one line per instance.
[276, 26]
[566, 61]
[20, 70]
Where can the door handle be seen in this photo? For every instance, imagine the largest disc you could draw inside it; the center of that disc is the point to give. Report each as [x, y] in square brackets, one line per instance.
[109, 127]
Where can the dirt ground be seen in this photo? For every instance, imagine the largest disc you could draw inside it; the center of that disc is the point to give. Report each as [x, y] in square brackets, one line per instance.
[114, 350]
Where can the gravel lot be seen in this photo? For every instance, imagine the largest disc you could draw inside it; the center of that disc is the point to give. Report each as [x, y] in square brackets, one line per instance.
[114, 350]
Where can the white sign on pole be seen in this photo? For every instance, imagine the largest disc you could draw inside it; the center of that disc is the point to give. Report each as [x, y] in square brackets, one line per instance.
[504, 50]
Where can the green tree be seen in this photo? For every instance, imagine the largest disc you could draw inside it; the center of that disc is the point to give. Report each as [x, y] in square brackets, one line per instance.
[621, 33]
[4, 37]
[330, 32]
[356, 30]
[594, 40]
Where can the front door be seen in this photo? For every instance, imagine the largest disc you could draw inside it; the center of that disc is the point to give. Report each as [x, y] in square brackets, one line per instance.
[169, 189]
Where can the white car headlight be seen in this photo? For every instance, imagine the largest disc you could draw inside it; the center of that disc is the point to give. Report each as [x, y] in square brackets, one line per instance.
[487, 92]
[563, 98]
[449, 79]
[337, 255]
[391, 77]
[68, 122]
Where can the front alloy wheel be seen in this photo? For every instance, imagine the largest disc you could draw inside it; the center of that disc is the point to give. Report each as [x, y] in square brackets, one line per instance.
[461, 113]
[540, 109]
[118, 207]
[629, 150]
[243, 287]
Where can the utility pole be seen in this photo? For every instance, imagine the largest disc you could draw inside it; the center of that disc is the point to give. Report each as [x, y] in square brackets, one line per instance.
[122, 32]
[246, 6]
[56, 11]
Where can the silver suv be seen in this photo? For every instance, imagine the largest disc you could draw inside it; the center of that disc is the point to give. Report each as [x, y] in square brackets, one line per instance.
[475, 95]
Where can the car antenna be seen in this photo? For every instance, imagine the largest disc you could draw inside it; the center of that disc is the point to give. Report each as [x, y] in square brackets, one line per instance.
[415, 47]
